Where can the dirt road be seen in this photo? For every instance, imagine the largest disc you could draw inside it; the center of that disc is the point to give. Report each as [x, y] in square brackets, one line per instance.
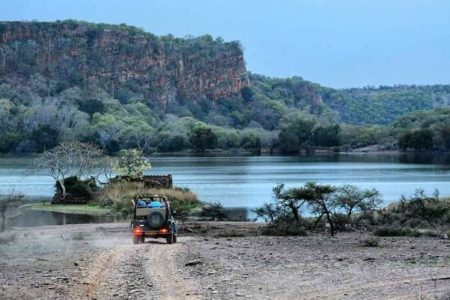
[145, 271]
[100, 262]
[78, 263]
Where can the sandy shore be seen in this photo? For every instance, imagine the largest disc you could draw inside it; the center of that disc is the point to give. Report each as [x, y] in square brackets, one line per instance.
[98, 261]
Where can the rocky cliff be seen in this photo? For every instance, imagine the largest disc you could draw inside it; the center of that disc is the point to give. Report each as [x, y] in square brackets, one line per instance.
[162, 69]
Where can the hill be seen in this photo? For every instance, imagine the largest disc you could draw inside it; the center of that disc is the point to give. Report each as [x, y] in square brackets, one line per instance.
[118, 86]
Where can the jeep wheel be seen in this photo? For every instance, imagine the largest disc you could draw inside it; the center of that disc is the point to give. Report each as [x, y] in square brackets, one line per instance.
[169, 238]
[175, 238]
[142, 239]
[135, 239]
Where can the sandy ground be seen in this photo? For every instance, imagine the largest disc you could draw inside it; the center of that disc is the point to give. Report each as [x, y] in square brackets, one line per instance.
[94, 261]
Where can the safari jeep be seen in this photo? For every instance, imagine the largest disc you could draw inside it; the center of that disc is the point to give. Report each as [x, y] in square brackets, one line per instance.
[152, 217]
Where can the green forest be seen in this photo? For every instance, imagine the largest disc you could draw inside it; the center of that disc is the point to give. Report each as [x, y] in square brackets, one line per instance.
[57, 84]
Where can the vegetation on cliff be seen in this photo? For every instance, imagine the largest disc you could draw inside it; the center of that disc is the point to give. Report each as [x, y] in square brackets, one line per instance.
[119, 87]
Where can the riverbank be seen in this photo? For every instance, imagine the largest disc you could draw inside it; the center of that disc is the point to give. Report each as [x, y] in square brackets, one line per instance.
[99, 261]
[79, 209]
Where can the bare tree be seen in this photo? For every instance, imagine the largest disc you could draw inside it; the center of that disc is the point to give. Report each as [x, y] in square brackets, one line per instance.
[69, 159]
[105, 169]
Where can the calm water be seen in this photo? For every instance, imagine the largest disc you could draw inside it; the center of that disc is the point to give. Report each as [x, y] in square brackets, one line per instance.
[248, 181]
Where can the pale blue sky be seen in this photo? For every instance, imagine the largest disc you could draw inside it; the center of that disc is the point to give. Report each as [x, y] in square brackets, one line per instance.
[337, 43]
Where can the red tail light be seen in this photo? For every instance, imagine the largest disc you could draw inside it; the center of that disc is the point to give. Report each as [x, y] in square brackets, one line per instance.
[137, 230]
[163, 231]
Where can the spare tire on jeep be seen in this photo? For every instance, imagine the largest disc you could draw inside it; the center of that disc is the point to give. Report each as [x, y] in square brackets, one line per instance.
[155, 219]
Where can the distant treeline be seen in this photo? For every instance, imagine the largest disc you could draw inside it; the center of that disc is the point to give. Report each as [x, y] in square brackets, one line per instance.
[32, 123]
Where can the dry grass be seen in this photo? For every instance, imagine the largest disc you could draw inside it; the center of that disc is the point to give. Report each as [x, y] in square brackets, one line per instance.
[120, 195]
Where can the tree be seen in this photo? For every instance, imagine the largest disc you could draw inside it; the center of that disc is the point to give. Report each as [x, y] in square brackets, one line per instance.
[247, 93]
[289, 142]
[291, 199]
[270, 212]
[202, 137]
[418, 140]
[327, 136]
[91, 106]
[319, 201]
[46, 137]
[445, 137]
[296, 132]
[105, 166]
[352, 199]
[131, 163]
[252, 143]
[69, 159]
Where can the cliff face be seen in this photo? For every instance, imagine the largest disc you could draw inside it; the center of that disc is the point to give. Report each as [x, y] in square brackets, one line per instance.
[163, 69]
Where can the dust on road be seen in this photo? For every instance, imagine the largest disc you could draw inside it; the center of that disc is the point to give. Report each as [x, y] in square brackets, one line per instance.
[93, 261]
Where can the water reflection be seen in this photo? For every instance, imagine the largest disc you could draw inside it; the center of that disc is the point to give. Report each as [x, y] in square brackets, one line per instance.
[30, 218]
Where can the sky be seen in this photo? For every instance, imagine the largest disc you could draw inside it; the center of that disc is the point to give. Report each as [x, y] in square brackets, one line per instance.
[337, 43]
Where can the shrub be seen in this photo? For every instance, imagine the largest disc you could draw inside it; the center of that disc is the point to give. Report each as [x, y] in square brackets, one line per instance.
[213, 211]
[396, 231]
[269, 212]
[370, 242]
[419, 210]
[284, 229]
[77, 187]
[342, 222]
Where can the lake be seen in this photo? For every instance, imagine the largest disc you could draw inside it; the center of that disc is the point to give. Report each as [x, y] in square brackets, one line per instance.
[247, 181]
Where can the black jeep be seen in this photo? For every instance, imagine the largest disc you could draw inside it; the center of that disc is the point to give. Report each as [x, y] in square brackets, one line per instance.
[153, 217]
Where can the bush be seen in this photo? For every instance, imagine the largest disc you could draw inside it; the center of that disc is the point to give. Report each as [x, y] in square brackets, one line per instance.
[341, 222]
[284, 229]
[397, 231]
[370, 242]
[77, 187]
[269, 212]
[419, 210]
[213, 212]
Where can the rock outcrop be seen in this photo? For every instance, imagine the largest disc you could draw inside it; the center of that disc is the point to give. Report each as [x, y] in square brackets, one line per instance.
[162, 69]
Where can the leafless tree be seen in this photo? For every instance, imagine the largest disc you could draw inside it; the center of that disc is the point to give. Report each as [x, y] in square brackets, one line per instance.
[105, 169]
[69, 159]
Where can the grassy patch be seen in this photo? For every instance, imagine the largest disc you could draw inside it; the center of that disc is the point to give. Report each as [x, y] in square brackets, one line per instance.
[231, 233]
[85, 209]
[284, 229]
[397, 231]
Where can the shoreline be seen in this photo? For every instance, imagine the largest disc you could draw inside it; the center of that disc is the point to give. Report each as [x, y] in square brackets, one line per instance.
[266, 152]
[77, 209]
